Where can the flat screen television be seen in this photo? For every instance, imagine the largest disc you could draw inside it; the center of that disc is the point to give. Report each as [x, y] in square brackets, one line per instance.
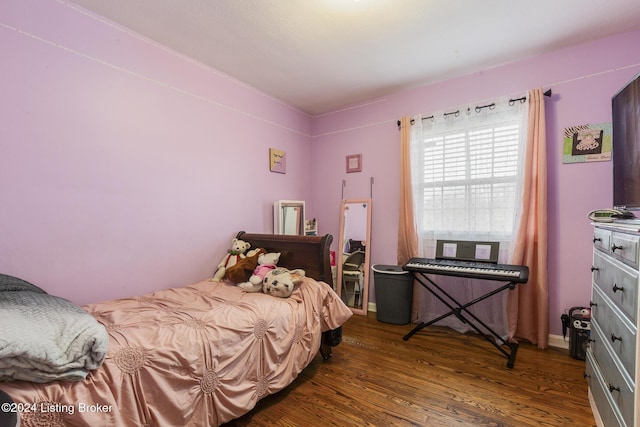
[625, 109]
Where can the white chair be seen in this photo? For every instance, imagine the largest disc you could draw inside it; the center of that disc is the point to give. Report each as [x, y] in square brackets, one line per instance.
[353, 278]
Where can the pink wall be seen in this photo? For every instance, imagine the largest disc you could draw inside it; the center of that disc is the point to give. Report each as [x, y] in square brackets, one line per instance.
[582, 78]
[125, 167]
[128, 168]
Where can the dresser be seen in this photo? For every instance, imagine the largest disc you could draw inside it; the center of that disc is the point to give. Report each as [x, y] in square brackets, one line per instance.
[612, 356]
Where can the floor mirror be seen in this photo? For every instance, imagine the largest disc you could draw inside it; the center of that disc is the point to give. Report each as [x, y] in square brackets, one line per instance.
[288, 217]
[353, 254]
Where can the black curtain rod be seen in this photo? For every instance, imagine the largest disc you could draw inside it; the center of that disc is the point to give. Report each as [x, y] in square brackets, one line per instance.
[547, 93]
[479, 108]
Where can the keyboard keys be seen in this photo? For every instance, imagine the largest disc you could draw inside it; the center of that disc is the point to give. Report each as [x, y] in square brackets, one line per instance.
[469, 269]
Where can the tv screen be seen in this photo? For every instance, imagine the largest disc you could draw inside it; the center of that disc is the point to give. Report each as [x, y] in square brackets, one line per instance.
[625, 108]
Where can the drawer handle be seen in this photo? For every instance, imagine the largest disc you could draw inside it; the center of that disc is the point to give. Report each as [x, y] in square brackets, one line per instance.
[592, 304]
[615, 248]
[597, 239]
[617, 288]
[614, 338]
[594, 269]
[612, 388]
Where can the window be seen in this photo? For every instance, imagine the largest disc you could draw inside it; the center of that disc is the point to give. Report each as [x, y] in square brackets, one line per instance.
[466, 172]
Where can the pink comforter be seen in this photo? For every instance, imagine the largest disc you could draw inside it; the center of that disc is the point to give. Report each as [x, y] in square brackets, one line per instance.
[195, 356]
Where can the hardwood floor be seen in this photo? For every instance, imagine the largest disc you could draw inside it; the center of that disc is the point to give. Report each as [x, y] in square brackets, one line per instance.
[437, 378]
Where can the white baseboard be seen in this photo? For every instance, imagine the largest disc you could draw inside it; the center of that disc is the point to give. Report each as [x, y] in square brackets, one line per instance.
[555, 341]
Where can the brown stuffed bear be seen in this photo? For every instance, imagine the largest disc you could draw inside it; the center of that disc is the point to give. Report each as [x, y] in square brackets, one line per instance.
[242, 270]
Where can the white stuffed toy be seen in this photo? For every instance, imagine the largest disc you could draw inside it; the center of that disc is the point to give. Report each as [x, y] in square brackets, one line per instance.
[238, 248]
[266, 263]
[279, 282]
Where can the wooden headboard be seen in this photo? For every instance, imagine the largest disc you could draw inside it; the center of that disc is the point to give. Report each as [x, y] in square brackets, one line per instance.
[310, 253]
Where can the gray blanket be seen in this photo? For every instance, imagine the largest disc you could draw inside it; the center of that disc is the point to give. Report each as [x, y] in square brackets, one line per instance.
[46, 338]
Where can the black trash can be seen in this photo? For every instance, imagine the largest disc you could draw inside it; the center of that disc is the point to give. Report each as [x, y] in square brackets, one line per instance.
[394, 294]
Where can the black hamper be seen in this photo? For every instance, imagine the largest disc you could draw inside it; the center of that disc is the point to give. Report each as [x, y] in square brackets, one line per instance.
[394, 294]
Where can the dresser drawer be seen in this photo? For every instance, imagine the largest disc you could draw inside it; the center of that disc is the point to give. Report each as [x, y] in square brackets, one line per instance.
[617, 281]
[607, 409]
[625, 247]
[608, 329]
[617, 384]
[602, 239]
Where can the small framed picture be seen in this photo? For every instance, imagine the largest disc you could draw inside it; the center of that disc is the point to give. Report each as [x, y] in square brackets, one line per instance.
[277, 161]
[354, 163]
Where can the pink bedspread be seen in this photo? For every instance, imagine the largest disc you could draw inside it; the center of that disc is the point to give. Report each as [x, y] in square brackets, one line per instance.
[200, 355]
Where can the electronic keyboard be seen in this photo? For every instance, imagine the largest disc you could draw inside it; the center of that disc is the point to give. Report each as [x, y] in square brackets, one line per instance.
[471, 269]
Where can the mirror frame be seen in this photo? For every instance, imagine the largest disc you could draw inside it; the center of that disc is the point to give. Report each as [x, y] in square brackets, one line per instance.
[367, 255]
[278, 217]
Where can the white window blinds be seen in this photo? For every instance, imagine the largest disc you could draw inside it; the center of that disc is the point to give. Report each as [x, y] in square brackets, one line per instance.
[466, 171]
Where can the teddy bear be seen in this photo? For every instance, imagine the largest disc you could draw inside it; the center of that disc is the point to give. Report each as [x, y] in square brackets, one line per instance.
[238, 248]
[266, 263]
[243, 269]
[279, 282]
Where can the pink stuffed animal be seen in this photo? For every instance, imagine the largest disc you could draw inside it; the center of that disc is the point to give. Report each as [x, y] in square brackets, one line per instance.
[266, 263]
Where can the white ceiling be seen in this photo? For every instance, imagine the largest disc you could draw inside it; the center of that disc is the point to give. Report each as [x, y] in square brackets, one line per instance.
[323, 55]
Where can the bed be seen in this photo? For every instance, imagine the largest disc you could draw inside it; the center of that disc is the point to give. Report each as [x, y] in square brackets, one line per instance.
[199, 355]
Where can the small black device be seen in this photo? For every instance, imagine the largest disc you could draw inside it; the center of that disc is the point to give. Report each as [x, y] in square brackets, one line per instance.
[578, 321]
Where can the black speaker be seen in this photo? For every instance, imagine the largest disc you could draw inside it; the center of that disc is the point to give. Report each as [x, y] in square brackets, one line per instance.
[578, 321]
[578, 342]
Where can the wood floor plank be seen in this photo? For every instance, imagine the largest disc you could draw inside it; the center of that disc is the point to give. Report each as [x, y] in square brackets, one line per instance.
[438, 378]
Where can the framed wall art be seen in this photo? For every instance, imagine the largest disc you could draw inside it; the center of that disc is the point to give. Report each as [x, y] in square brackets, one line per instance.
[587, 143]
[354, 163]
[277, 161]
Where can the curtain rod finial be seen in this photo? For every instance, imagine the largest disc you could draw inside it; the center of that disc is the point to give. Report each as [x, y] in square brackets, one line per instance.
[547, 92]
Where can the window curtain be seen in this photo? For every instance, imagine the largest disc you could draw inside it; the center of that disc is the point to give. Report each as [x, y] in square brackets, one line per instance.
[407, 234]
[528, 305]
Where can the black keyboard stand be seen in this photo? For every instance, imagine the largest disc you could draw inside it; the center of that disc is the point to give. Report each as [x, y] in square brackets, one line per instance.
[460, 310]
